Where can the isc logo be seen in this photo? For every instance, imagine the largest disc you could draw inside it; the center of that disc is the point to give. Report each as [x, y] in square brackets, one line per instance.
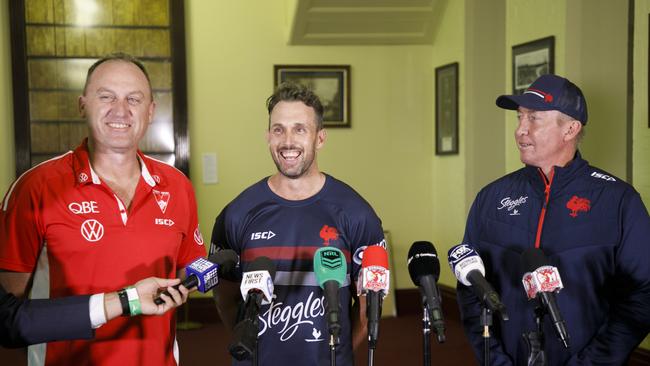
[603, 176]
[165, 222]
[266, 235]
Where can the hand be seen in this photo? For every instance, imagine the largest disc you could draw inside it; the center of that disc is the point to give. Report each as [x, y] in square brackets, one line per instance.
[149, 288]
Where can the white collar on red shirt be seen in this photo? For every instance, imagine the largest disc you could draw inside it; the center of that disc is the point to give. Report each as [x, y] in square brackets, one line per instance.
[84, 168]
[143, 168]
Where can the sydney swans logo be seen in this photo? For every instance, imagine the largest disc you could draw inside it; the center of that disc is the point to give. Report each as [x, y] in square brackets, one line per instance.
[290, 318]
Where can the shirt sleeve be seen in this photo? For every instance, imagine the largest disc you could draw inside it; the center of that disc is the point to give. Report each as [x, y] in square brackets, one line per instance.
[365, 230]
[37, 321]
[223, 237]
[96, 308]
[192, 246]
[629, 318]
[470, 307]
[21, 232]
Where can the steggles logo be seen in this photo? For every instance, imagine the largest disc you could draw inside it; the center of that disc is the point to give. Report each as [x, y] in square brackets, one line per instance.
[290, 318]
[511, 205]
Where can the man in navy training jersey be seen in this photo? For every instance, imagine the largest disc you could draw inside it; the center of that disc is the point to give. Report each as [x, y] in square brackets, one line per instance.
[592, 226]
[287, 217]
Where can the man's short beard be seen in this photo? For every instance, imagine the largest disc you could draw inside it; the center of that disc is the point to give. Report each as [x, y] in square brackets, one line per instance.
[300, 173]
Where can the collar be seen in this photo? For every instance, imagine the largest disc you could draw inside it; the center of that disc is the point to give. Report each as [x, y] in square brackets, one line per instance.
[561, 175]
[84, 173]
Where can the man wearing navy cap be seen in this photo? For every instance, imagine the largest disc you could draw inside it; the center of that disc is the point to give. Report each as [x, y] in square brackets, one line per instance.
[592, 226]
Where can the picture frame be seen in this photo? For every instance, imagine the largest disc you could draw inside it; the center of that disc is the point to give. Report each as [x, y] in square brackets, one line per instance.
[447, 109]
[330, 82]
[531, 60]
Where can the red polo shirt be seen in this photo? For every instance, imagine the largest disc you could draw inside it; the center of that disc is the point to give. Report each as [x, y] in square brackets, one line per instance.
[62, 222]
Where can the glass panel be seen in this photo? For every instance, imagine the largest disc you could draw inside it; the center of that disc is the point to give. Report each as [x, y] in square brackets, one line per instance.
[64, 38]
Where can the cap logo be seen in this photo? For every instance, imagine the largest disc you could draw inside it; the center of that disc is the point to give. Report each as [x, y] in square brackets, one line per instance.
[548, 98]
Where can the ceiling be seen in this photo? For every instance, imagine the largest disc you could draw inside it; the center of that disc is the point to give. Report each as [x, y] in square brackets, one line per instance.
[365, 22]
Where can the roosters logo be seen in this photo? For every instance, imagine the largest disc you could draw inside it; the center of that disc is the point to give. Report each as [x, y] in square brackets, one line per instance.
[577, 204]
[328, 233]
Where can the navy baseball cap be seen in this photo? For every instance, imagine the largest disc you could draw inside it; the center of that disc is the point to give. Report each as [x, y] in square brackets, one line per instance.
[549, 93]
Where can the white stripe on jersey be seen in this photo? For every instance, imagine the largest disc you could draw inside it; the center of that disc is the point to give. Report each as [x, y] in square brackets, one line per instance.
[6, 201]
[40, 290]
[300, 278]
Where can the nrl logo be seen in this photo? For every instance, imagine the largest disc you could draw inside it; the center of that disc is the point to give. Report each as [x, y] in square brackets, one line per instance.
[331, 259]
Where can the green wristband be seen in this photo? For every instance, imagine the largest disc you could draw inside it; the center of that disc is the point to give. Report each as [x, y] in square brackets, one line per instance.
[134, 301]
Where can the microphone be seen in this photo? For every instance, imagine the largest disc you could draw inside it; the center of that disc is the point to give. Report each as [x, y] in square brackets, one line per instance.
[468, 268]
[257, 290]
[204, 273]
[374, 283]
[542, 281]
[424, 268]
[330, 268]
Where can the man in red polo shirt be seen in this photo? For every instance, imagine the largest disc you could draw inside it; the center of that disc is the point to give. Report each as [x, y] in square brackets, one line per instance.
[102, 216]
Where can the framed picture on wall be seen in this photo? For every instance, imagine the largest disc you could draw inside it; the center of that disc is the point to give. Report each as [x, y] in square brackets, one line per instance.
[530, 60]
[330, 82]
[447, 109]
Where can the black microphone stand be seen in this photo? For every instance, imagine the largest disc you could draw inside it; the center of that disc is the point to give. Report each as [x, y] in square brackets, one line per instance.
[255, 348]
[535, 340]
[332, 350]
[245, 343]
[486, 322]
[426, 332]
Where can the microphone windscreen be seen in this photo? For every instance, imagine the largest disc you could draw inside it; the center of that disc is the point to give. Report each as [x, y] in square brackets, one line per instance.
[422, 261]
[330, 264]
[226, 259]
[375, 255]
[533, 258]
[262, 264]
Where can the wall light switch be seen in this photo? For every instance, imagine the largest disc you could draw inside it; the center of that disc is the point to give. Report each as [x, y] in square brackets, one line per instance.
[210, 168]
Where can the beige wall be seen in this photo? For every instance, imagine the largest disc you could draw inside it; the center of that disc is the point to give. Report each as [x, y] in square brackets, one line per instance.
[7, 164]
[641, 127]
[527, 20]
[596, 59]
[447, 182]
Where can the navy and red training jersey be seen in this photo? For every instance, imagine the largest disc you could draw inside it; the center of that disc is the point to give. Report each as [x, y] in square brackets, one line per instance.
[293, 328]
